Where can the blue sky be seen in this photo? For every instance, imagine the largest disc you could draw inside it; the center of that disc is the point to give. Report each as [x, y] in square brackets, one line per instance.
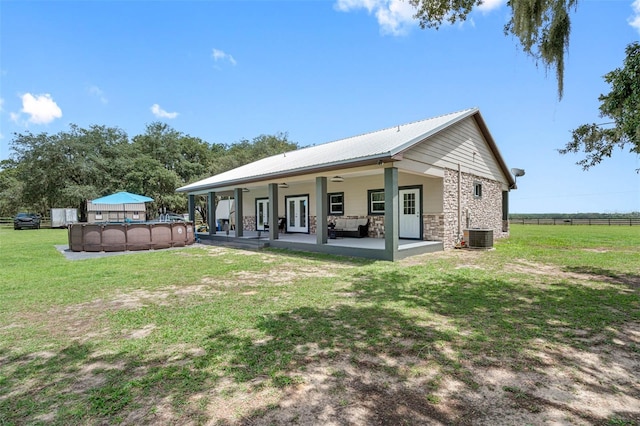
[319, 70]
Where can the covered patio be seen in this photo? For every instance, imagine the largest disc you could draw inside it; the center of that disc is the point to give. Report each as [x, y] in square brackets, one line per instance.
[372, 248]
[404, 190]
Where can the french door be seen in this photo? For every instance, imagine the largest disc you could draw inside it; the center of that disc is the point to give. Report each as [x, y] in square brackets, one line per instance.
[262, 214]
[297, 213]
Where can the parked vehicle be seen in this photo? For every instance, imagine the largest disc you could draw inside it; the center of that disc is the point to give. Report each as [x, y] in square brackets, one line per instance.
[26, 220]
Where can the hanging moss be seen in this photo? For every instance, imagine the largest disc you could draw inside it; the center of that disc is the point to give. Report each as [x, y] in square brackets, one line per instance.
[541, 26]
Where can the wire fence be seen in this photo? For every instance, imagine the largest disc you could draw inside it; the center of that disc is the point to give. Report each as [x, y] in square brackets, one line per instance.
[45, 222]
[632, 221]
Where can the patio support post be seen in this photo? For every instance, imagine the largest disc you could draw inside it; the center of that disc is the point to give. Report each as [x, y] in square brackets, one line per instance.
[192, 208]
[238, 215]
[273, 211]
[391, 205]
[211, 209]
[322, 210]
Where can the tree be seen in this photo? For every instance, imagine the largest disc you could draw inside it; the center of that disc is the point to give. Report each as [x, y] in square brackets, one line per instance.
[10, 189]
[541, 26]
[69, 168]
[165, 160]
[245, 151]
[241, 153]
[185, 155]
[149, 177]
[622, 105]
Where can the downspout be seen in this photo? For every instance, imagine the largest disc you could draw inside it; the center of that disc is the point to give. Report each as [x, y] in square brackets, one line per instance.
[459, 202]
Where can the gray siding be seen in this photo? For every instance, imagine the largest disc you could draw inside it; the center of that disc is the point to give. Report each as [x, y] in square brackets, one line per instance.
[461, 144]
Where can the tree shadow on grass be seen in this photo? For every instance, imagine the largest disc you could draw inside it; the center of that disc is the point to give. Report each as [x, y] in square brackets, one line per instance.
[77, 386]
[607, 275]
[503, 321]
[350, 347]
[345, 365]
[381, 357]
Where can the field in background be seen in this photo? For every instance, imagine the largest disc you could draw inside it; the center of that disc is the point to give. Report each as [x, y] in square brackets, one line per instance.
[545, 328]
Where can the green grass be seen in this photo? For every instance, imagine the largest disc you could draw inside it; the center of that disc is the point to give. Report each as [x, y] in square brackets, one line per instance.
[118, 339]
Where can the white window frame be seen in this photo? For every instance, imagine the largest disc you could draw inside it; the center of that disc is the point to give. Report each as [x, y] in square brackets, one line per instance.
[332, 203]
[372, 210]
[477, 189]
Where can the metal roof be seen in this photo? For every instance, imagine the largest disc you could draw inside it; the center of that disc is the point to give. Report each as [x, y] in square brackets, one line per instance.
[368, 147]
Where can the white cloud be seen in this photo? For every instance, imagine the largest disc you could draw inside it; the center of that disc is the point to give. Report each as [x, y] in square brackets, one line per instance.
[42, 109]
[489, 5]
[349, 5]
[219, 55]
[395, 17]
[160, 113]
[14, 116]
[98, 93]
[634, 20]
[1, 104]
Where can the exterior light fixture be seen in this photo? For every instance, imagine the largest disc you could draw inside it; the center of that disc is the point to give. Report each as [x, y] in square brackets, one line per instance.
[283, 185]
[245, 189]
[337, 179]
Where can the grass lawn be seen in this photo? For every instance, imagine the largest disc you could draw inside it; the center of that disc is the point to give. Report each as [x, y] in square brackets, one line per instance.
[543, 329]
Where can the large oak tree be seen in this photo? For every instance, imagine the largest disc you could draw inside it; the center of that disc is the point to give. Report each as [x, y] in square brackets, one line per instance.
[620, 108]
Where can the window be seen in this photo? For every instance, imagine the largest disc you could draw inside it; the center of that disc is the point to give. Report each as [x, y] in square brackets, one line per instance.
[98, 215]
[409, 203]
[336, 203]
[376, 201]
[477, 189]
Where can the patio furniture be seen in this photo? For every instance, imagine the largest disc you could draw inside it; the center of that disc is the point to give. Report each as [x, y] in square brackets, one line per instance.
[353, 228]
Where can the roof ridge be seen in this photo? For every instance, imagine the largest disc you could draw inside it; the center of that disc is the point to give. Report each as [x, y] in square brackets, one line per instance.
[380, 130]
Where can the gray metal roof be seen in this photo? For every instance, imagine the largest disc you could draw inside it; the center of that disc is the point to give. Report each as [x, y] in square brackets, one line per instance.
[372, 146]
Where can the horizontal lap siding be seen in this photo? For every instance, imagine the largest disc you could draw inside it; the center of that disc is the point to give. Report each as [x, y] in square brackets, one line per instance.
[457, 145]
[355, 193]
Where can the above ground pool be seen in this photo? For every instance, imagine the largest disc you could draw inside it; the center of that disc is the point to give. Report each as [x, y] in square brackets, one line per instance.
[129, 236]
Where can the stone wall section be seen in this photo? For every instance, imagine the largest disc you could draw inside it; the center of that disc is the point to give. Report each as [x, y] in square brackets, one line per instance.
[433, 227]
[483, 212]
[376, 226]
[249, 223]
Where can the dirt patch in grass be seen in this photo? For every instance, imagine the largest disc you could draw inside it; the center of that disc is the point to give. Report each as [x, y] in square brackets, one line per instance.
[385, 370]
[569, 386]
[556, 273]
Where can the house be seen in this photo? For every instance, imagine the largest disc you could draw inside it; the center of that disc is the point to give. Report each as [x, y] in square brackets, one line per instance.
[417, 186]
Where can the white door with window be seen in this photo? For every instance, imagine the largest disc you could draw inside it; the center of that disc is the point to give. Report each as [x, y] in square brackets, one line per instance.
[262, 214]
[297, 214]
[410, 213]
